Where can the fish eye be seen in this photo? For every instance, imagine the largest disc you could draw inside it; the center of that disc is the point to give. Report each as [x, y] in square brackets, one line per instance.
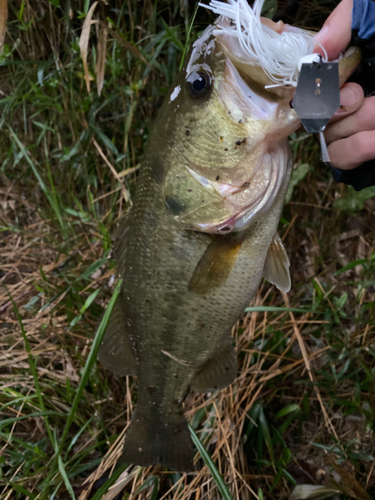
[199, 83]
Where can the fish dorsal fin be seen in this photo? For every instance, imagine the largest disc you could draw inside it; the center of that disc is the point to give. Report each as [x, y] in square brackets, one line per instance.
[276, 267]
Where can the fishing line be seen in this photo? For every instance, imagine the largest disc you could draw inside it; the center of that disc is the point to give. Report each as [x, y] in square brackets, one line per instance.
[279, 54]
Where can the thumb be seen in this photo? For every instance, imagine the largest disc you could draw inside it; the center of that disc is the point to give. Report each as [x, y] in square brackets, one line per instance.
[336, 32]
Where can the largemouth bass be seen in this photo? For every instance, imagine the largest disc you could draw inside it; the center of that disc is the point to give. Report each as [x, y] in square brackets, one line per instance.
[199, 238]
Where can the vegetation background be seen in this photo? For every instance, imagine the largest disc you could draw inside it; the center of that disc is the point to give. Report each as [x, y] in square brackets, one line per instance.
[76, 109]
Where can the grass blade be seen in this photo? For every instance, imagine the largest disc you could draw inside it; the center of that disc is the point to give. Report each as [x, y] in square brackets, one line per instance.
[20, 489]
[8, 421]
[90, 361]
[84, 43]
[110, 481]
[186, 48]
[65, 478]
[276, 309]
[263, 424]
[84, 378]
[351, 265]
[50, 198]
[100, 65]
[171, 32]
[33, 370]
[222, 487]
[3, 22]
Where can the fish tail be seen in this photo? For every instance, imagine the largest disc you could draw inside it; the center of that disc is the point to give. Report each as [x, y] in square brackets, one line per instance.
[152, 439]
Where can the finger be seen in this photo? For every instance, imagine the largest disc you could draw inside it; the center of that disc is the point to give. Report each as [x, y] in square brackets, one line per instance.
[336, 32]
[351, 99]
[352, 151]
[363, 119]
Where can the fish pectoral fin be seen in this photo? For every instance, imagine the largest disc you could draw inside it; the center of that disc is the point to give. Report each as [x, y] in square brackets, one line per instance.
[216, 264]
[276, 267]
[218, 372]
[115, 352]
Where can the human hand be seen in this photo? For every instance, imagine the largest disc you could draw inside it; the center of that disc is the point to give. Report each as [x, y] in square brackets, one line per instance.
[351, 140]
[351, 134]
[336, 31]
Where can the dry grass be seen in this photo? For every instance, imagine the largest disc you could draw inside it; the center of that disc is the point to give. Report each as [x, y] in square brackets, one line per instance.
[305, 389]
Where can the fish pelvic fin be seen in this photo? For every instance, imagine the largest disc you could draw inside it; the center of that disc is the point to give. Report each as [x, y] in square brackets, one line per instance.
[276, 267]
[152, 440]
[218, 372]
[115, 352]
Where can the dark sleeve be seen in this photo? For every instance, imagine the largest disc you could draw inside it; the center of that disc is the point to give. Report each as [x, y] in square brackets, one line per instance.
[360, 177]
[363, 36]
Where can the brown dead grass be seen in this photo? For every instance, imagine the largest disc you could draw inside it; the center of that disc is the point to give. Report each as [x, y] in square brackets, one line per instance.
[270, 377]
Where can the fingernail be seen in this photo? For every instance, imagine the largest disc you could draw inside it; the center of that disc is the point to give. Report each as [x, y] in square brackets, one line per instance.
[348, 97]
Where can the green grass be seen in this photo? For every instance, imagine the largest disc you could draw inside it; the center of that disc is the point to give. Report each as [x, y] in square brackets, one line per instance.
[68, 169]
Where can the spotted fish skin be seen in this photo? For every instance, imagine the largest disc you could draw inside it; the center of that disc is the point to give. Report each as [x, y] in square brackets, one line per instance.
[193, 248]
[175, 328]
